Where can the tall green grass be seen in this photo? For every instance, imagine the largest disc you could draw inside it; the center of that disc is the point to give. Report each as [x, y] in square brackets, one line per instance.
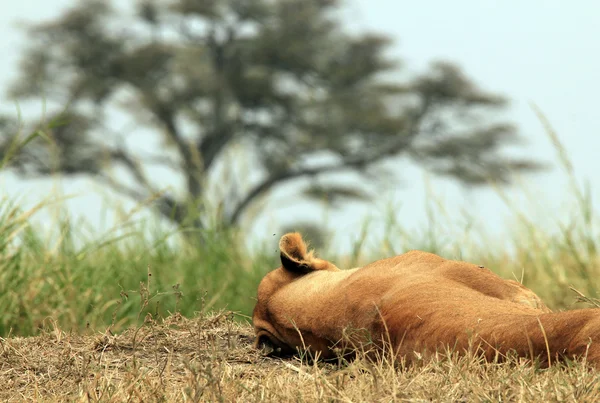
[114, 279]
[116, 282]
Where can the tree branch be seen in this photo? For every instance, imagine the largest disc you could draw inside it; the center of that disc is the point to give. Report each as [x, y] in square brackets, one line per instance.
[211, 146]
[190, 169]
[349, 163]
[133, 166]
[166, 117]
[121, 188]
[160, 160]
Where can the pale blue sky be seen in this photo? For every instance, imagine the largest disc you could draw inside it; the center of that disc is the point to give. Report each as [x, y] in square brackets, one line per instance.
[546, 52]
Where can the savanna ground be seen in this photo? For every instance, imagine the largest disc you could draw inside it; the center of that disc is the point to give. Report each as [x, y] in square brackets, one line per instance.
[135, 314]
[210, 358]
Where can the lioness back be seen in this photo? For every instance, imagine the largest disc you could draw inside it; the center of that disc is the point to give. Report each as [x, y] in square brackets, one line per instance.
[417, 301]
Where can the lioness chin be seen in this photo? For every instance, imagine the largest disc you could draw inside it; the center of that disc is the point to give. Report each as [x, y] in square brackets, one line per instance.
[412, 303]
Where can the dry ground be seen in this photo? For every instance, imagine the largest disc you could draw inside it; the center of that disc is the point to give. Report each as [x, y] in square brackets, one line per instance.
[211, 358]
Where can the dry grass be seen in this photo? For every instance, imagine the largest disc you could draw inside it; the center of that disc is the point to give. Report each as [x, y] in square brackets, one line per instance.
[85, 281]
[210, 358]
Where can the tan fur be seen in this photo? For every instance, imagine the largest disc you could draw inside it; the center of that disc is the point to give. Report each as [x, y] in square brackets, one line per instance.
[419, 302]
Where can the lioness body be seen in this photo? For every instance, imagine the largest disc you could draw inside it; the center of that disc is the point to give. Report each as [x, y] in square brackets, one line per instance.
[417, 301]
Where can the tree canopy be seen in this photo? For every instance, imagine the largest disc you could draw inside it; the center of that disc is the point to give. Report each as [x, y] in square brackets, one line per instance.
[281, 80]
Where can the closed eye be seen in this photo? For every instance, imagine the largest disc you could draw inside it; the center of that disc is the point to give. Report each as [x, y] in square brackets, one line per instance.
[270, 346]
[263, 340]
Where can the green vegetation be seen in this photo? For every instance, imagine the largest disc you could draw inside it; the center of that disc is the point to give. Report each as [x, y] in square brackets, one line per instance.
[142, 311]
[115, 279]
[104, 282]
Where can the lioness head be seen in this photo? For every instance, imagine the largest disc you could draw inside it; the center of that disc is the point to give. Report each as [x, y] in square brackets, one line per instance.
[296, 262]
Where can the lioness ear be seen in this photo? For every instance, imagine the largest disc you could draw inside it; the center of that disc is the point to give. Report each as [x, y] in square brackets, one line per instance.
[294, 256]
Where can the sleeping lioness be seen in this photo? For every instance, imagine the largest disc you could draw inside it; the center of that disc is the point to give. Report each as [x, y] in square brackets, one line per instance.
[414, 303]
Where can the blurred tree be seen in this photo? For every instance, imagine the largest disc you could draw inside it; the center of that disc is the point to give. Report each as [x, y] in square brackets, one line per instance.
[278, 79]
